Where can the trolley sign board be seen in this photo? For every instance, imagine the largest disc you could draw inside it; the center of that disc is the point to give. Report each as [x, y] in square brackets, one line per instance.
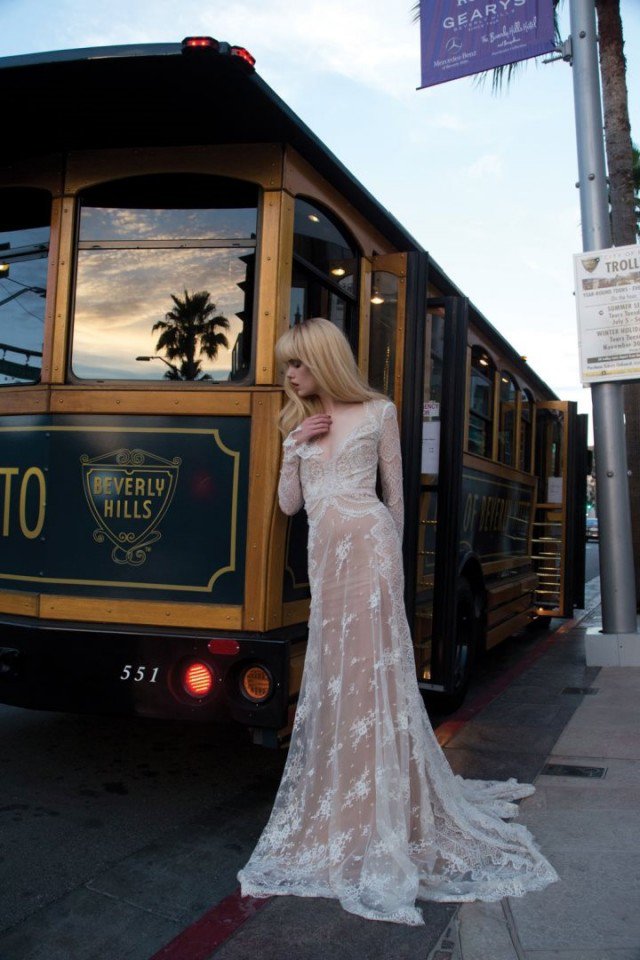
[608, 306]
[461, 37]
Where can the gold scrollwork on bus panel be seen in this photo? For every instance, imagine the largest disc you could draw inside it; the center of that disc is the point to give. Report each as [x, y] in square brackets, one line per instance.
[128, 495]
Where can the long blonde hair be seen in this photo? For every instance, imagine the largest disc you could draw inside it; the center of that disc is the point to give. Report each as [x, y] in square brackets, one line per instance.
[326, 352]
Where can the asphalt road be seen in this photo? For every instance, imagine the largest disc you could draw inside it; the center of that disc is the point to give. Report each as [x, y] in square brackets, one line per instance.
[79, 794]
[591, 563]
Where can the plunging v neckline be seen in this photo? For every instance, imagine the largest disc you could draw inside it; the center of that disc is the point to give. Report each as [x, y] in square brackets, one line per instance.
[321, 450]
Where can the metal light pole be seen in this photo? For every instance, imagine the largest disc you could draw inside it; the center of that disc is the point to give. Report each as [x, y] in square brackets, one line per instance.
[171, 366]
[619, 643]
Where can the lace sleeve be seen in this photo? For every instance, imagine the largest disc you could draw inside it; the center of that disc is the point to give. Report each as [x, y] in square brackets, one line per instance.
[289, 487]
[390, 461]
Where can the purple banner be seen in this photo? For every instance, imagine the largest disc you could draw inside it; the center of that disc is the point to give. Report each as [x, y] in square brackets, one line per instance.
[461, 37]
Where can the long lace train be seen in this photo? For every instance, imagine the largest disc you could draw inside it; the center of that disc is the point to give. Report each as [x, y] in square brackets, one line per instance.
[368, 810]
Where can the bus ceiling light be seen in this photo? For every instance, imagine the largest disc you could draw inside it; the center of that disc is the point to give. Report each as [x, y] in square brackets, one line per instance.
[197, 680]
[256, 683]
[338, 271]
[313, 217]
[376, 298]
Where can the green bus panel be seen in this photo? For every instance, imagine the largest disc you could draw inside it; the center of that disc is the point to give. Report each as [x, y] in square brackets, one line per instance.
[496, 515]
[138, 508]
[295, 583]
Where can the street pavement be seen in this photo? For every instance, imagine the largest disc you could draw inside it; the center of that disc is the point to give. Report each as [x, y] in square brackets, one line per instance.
[176, 898]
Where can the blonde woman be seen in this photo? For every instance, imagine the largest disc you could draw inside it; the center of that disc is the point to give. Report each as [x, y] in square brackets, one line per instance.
[368, 811]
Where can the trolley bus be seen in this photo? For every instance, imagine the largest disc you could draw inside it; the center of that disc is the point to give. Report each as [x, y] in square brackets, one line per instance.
[164, 216]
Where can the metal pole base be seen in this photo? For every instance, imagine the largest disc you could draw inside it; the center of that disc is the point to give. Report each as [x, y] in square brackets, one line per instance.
[612, 649]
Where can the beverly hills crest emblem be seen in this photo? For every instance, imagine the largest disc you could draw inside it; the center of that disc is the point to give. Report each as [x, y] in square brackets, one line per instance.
[129, 493]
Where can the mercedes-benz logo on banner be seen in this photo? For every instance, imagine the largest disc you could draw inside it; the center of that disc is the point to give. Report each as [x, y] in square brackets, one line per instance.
[129, 493]
[453, 45]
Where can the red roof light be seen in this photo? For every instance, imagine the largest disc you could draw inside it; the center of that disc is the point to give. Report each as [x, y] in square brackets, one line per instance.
[244, 55]
[224, 49]
[190, 42]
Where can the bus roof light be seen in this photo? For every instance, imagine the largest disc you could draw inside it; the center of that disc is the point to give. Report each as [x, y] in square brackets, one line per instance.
[209, 43]
[244, 54]
[194, 43]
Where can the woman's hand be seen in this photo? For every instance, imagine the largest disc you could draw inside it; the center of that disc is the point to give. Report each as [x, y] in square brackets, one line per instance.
[316, 426]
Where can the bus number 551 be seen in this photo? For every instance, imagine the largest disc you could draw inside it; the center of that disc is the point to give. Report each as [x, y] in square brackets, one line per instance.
[138, 674]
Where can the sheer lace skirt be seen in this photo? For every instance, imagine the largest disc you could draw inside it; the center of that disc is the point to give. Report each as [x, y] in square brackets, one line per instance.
[368, 810]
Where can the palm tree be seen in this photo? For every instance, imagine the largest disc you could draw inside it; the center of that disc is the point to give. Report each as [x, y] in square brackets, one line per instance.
[189, 328]
[616, 122]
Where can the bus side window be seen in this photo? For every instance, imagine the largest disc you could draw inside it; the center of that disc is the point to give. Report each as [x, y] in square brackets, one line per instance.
[325, 270]
[508, 421]
[25, 218]
[480, 439]
[526, 431]
[550, 427]
[384, 324]
[165, 272]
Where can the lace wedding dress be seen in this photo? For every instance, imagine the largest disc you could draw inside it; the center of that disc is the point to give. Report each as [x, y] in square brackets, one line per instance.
[369, 811]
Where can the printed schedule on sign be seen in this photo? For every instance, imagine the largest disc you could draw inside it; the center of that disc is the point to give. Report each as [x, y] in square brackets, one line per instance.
[608, 306]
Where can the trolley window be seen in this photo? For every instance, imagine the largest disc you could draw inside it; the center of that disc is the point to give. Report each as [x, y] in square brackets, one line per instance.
[165, 280]
[526, 430]
[508, 421]
[480, 440]
[384, 325]
[550, 426]
[25, 218]
[325, 270]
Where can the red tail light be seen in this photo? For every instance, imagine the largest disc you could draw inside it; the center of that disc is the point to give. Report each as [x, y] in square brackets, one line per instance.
[197, 680]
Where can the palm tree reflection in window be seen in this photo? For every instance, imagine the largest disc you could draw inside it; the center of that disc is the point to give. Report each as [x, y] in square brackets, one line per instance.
[189, 329]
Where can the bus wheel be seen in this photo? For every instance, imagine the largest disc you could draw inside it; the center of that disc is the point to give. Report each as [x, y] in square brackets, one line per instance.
[468, 619]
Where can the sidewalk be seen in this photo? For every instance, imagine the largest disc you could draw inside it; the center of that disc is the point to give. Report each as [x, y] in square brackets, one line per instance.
[584, 816]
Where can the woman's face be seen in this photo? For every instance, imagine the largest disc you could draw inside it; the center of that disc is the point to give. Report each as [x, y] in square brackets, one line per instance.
[301, 379]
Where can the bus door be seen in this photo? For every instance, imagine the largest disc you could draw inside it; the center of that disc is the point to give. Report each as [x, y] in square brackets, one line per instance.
[434, 436]
[558, 542]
